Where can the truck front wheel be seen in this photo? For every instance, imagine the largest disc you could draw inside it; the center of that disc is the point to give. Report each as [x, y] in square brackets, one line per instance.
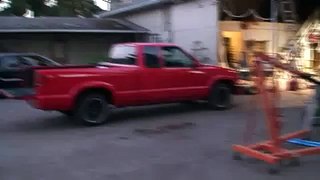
[220, 97]
[92, 109]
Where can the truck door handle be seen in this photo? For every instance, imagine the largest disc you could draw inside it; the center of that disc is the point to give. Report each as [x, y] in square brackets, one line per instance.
[196, 72]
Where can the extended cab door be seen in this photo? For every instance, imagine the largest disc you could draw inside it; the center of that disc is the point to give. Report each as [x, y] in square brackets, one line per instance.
[155, 86]
[185, 79]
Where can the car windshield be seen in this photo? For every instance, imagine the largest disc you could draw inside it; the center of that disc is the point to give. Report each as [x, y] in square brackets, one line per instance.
[122, 54]
[39, 61]
[9, 62]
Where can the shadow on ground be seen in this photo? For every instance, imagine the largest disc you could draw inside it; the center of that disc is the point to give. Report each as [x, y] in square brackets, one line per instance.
[53, 121]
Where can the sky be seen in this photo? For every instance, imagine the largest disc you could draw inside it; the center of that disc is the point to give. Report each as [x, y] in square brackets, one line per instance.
[103, 4]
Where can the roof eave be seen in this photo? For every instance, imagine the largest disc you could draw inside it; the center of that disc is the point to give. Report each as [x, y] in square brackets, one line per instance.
[134, 7]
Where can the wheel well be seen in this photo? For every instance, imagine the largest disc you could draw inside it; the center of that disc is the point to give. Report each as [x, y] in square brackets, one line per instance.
[103, 91]
[228, 82]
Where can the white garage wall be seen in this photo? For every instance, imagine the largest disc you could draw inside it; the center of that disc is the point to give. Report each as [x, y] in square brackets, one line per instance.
[152, 20]
[195, 21]
[190, 22]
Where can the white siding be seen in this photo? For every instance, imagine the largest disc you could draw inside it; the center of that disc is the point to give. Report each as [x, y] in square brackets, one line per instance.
[152, 20]
[195, 21]
[190, 22]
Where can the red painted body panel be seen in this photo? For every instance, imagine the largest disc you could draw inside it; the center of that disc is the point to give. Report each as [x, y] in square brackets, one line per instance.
[129, 84]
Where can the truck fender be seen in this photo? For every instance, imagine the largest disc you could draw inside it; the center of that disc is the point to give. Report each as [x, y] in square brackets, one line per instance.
[75, 91]
[219, 78]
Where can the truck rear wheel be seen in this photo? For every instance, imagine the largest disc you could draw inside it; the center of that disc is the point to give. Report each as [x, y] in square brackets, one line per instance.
[92, 109]
[220, 97]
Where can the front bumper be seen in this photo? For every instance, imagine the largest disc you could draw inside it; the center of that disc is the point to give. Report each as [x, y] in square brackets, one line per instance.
[246, 87]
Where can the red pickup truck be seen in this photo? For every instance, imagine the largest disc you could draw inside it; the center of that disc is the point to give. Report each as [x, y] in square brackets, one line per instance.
[134, 74]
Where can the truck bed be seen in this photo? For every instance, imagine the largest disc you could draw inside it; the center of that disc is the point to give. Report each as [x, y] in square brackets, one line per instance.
[26, 87]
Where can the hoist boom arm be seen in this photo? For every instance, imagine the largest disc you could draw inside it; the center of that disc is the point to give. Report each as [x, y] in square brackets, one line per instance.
[276, 63]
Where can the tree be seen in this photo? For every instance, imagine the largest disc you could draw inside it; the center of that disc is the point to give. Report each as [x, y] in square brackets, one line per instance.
[16, 7]
[77, 7]
[85, 8]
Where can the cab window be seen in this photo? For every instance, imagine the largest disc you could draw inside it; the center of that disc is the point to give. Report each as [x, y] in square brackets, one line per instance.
[10, 63]
[174, 57]
[122, 54]
[35, 61]
[151, 56]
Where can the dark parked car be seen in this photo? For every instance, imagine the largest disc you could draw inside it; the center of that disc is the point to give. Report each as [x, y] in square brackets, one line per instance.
[14, 68]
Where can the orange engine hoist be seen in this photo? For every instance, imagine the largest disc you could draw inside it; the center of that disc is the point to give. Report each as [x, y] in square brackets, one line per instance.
[272, 151]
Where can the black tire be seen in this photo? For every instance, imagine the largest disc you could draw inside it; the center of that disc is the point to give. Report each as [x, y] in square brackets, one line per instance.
[220, 97]
[294, 162]
[274, 169]
[92, 109]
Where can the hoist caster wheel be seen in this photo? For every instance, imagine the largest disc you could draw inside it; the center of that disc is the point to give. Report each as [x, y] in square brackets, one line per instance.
[236, 156]
[274, 168]
[295, 162]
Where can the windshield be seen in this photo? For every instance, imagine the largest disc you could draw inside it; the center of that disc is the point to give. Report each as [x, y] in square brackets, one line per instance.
[39, 61]
[122, 54]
